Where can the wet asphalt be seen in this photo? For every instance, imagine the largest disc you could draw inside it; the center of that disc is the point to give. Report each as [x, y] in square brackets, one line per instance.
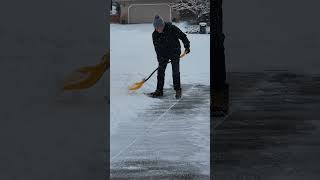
[273, 130]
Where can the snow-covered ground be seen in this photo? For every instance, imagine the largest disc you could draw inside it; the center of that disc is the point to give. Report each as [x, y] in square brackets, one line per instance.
[133, 58]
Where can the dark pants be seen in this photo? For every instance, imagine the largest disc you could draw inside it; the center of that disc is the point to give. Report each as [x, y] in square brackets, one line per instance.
[175, 62]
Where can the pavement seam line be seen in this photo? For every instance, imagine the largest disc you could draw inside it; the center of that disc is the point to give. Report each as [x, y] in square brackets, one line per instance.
[149, 127]
[225, 118]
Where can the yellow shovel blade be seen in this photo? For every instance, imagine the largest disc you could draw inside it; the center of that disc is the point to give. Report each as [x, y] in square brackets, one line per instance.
[136, 86]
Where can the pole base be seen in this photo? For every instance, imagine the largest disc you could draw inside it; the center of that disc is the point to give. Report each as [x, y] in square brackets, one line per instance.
[220, 101]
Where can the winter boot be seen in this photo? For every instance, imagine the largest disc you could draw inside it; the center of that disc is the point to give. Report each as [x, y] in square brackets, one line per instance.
[178, 94]
[157, 93]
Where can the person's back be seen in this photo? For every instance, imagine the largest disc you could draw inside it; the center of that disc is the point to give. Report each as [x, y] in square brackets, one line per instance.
[167, 42]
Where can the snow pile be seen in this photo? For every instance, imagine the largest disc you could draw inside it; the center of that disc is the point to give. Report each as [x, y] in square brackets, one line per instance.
[197, 7]
[195, 29]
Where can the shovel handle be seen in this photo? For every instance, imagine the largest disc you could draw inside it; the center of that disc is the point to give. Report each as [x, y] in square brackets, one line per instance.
[183, 54]
[146, 79]
[150, 75]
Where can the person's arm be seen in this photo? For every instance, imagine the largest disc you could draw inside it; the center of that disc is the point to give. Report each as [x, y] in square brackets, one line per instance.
[155, 43]
[182, 36]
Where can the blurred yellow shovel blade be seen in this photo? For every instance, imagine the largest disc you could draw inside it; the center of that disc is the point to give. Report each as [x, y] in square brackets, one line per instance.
[88, 76]
[136, 86]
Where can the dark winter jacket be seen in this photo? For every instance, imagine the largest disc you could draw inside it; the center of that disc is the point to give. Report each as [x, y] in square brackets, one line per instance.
[167, 43]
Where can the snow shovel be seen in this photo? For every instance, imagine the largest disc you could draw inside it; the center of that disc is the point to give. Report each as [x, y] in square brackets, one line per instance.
[138, 85]
[85, 77]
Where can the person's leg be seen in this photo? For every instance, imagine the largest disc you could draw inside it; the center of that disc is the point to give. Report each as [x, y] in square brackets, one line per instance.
[175, 62]
[161, 73]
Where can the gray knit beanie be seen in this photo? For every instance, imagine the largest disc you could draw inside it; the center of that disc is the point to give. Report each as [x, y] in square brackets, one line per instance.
[158, 22]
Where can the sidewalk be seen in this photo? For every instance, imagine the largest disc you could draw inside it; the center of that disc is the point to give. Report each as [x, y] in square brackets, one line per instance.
[168, 141]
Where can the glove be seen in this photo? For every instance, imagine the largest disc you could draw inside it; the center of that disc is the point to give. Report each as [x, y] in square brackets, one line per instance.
[187, 50]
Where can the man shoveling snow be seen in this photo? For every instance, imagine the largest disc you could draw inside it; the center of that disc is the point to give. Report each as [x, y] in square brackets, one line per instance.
[167, 46]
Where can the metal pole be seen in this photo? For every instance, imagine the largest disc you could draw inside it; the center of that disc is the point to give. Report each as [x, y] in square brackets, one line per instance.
[219, 87]
[218, 67]
[219, 90]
